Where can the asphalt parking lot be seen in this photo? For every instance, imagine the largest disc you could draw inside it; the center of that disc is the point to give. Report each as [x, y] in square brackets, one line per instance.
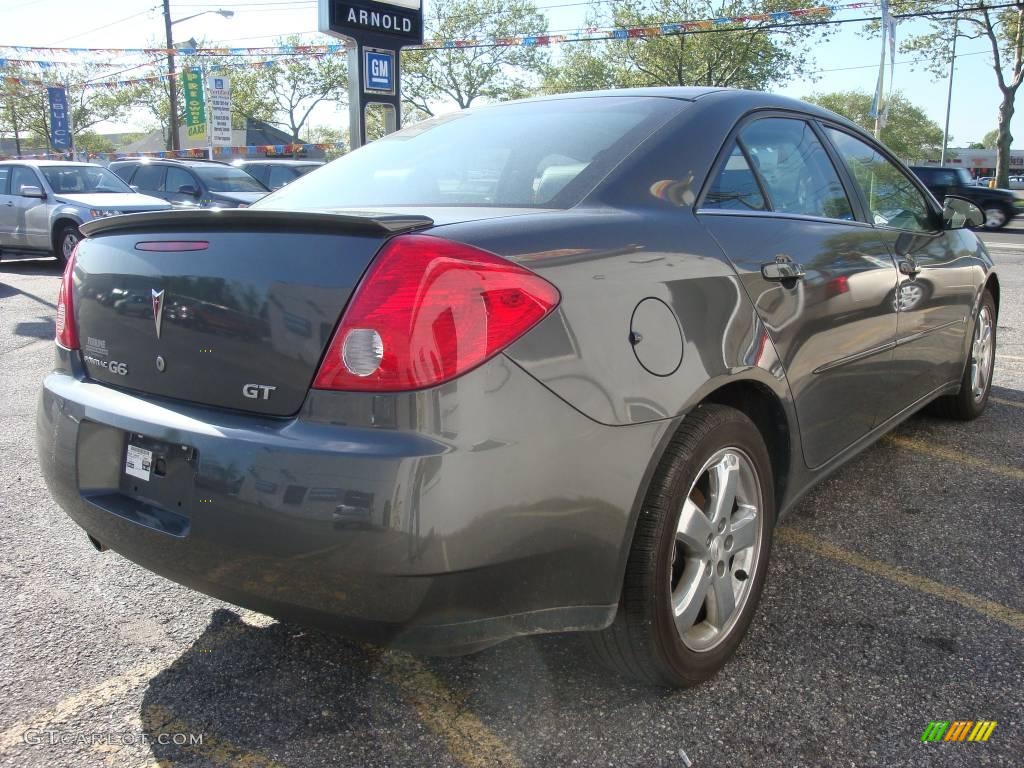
[895, 598]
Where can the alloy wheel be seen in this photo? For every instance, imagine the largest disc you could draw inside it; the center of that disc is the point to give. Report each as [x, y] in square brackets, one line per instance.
[981, 354]
[68, 243]
[718, 539]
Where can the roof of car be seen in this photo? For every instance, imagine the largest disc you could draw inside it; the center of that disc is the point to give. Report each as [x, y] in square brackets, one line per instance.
[174, 160]
[280, 161]
[44, 163]
[747, 98]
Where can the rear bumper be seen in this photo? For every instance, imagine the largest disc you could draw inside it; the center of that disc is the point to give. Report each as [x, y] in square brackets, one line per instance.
[438, 521]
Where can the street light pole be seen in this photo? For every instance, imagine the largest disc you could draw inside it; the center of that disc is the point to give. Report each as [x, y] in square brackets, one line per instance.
[949, 92]
[172, 79]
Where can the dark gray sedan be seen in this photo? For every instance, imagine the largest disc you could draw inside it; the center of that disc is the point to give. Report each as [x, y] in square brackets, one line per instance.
[552, 365]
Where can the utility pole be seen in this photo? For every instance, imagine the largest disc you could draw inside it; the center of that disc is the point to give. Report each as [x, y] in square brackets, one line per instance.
[949, 93]
[172, 78]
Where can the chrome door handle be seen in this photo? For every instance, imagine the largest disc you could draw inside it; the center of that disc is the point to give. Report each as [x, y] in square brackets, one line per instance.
[783, 271]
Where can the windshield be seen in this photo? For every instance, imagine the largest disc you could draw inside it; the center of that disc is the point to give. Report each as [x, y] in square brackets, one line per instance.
[539, 154]
[224, 178]
[82, 179]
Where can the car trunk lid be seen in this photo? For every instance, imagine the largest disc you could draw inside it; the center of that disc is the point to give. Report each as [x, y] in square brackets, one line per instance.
[230, 309]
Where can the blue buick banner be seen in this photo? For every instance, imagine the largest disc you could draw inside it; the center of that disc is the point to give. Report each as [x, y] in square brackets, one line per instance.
[60, 128]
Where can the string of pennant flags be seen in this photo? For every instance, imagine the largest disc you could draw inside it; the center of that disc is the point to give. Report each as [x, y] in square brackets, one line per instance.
[128, 83]
[201, 152]
[580, 35]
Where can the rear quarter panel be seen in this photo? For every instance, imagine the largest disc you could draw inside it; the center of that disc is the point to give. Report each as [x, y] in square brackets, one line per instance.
[605, 263]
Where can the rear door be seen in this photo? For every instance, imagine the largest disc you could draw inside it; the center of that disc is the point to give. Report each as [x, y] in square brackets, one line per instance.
[778, 206]
[176, 180]
[6, 206]
[938, 272]
[28, 214]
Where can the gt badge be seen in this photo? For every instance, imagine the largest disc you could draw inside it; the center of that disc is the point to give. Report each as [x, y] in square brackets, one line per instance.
[257, 391]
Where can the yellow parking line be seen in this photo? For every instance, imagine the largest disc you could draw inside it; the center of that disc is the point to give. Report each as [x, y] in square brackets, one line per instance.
[1004, 401]
[989, 608]
[468, 740]
[93, 697]
[157, 719]
[947, 454]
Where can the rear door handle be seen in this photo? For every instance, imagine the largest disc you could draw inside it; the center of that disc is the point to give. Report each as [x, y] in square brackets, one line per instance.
[783, 271]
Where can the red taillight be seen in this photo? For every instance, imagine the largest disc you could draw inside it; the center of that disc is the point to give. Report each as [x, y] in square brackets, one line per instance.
[67, 334]
[429, 310]
[837, 286]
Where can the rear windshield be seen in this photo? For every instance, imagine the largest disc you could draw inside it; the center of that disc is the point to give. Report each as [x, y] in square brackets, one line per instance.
[71, 179]
[543, 154]
[225, 178]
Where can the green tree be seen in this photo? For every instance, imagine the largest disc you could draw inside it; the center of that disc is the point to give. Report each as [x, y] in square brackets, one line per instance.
[1002, 29]
[908, 132]
[464, 75]
[324, 134]
[26, 109]
[286, 92]
[735, 55]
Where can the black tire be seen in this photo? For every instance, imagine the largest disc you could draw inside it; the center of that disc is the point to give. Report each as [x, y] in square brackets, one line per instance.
[991, 208]
[643, 642]
[966, 405]
[66, 235]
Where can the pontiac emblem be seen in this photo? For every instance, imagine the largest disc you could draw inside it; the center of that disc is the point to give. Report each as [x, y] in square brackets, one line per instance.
[158, 310]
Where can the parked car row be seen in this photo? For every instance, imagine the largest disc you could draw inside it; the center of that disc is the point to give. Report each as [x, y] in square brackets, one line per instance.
[44, 202]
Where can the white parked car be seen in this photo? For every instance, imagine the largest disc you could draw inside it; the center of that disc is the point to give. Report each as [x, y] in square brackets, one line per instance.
[43, 203]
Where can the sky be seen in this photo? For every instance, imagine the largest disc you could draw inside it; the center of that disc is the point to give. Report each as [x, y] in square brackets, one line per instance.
[849, 60]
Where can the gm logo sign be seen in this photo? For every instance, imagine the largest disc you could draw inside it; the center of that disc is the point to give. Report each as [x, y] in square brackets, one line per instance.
[379, 66]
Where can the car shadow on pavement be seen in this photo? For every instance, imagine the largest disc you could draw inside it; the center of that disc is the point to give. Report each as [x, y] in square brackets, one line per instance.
[269, 694]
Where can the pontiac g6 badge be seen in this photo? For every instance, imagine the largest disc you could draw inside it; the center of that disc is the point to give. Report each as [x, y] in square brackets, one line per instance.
[158, 309]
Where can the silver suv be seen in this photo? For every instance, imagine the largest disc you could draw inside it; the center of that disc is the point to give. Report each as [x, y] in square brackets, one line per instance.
[43, 202]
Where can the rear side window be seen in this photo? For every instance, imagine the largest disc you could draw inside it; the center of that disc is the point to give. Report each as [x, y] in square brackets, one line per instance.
[125, 171]
[258, 172]
[736, 187]
[797, 174]
[22, 177]
[280, 175]
[5, 176]
[540, 154]
[178, 178]
[893, 200]
[149, 177]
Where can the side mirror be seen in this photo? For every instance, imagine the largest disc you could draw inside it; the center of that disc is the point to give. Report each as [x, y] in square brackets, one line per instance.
[134, 187]
[188, 189]
[960, 213]
[32, 191]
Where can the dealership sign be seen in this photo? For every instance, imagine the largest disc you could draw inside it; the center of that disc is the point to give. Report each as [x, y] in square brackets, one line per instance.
[219, 88]
[60, 125]
[195, 104]
[375, 32]
[402, 19]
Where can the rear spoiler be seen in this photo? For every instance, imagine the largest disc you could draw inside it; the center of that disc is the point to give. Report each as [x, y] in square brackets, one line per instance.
[262, 219]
